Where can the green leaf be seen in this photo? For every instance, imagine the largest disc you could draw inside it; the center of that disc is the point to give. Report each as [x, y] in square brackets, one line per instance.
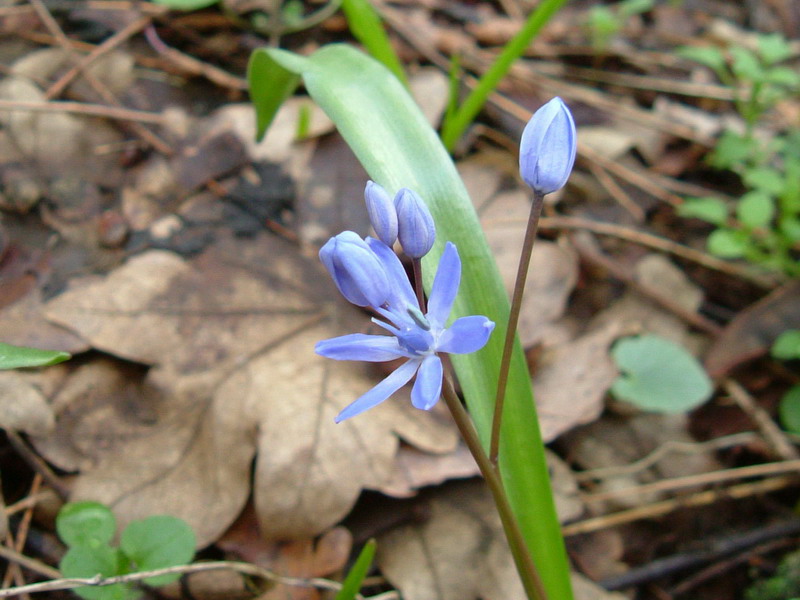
[732, 151]
[398, 148]
[712, 210]
[271, 84]
[708, 56]
[352, 583]
[85, 561]
[765, 179]
[628, 8]
[789, 410]
[17, 357]
[454, 128]
[783, 76]
[727, 243]
[659, 375]
[366, 26]
[755, 209]
[745, 64]
[88, 524]
[787, 346]
[186, 4]
[790, 228]
[158, 542]
[773, 48]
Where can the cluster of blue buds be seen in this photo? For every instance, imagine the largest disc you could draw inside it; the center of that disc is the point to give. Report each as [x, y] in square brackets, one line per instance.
[368, 273]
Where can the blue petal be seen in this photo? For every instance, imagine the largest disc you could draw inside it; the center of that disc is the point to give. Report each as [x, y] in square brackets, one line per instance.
[428, 386]
[382, 213]
[359, 346]
[466, 335]
[415, 227]
[355, 269]
[445, 286]
[548, 147]
[380, 392]
[401, 294]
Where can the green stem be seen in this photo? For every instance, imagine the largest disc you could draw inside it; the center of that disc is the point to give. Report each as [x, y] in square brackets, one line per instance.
[531, 581]
[513, 321]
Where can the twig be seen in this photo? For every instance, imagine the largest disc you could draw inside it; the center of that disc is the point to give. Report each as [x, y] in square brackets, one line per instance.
[239, 567]
[29, 563]
[109, 44]
[81, 108]
[616, 192]
[653, 241]
[658, 509]
[678, 483]
[775, 438]
[663, 450]
[37, 464]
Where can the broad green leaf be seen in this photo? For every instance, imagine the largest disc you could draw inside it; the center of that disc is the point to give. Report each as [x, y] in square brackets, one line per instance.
[186, 4]
[783, 76]
[628, 8]
[366, 26]
[352, 583]
[84, 562]
[17, 357]
[773, 48]
[88, 524]
[732, 150]
[708, 56]
[713, 210]
[745, 64]
[789, 410]
[158, 542]
[727, 243]
[398, 148]
[659, 375]
[270, 87]
[755, 209]
[765, 179]
[787, 346]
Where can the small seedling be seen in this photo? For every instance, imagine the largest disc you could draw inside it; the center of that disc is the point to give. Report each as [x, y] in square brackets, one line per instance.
[787, 347]
[88, 528]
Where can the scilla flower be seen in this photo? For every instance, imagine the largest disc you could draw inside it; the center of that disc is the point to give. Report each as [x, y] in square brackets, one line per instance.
[356, 271]
[415, 228]
[382, 213]
[548, 146]
[415, 336]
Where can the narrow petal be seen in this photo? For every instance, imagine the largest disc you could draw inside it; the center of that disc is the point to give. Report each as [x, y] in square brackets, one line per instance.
[466, 335]
[380, 392]
[401, 294]
[428, 386]
[359, 346]
[445, 286]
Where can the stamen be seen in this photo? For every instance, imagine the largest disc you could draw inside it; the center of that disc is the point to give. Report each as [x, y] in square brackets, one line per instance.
[418, 317]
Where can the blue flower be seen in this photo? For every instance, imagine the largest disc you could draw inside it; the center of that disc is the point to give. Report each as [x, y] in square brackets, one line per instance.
[548, 146]
[415, 336]
[356, 271]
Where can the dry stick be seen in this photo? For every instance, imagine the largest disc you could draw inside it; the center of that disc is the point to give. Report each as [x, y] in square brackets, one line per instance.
[80, 108]
[29, 563]
[657, 509]
[678, 483]
[37, 464]
[616, 192]
[653, 241]
[775, 438]
[99, 87]
[109, 44]
[513, 321]
[239, 567]
[534, 588]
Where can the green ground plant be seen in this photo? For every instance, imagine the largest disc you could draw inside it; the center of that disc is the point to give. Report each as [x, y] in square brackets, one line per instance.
[763, 225]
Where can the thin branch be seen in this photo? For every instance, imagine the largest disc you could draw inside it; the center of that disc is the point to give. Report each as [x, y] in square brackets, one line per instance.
[81, 108]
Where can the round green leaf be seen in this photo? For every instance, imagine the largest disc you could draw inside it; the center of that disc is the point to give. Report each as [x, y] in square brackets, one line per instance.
[789, 410]
[755, 209]
[659, 375]
[85, 561]
[712, 210]
[787, 346]
[727, 243]
[88, 524]
[158, 542]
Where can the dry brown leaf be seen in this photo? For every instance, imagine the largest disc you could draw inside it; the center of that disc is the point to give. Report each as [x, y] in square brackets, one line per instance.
[553, 270]
[571, 381]
[23, 407]
[233, 339]
[414, 469]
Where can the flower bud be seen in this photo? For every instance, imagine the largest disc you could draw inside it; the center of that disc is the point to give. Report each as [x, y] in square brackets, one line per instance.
[355, 270]
[382, 213]
[548, 146]
[415, 228]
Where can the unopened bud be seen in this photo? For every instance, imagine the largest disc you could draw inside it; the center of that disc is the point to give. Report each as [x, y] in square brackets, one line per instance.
[415, 228]
[548, 146]
[355, 270]
[382, 213]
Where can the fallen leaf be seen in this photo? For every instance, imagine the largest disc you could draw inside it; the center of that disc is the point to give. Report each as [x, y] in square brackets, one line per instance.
[571, 381]
[22, 406]
[752, 332]
[414, 469]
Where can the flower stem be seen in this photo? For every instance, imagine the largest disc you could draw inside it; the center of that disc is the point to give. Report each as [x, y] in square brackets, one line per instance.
[531, 581]
[513, 321]
[416, 266]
